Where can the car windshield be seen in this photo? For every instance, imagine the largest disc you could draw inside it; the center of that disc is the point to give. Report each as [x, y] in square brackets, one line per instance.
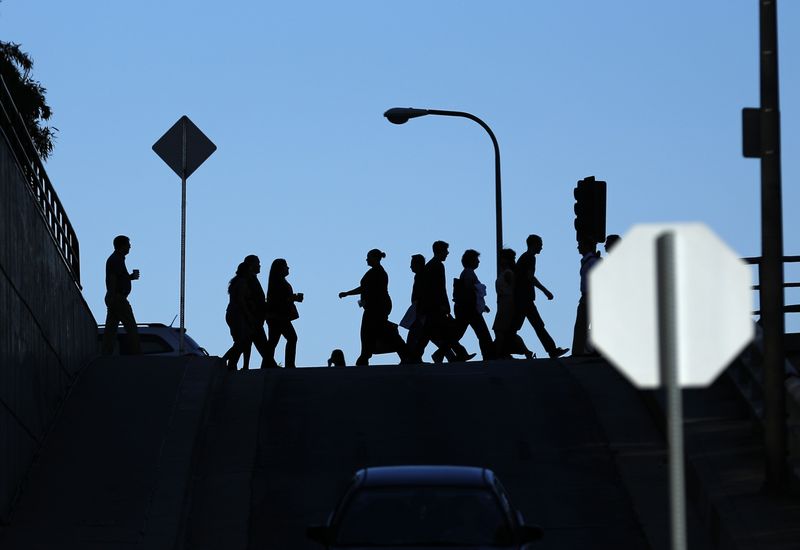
[407, 516]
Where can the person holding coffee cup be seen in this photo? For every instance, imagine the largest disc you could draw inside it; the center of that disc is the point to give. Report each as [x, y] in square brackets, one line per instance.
[118, 287]
[281, 311]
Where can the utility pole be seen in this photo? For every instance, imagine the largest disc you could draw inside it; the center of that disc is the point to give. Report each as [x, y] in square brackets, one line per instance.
[771, 267]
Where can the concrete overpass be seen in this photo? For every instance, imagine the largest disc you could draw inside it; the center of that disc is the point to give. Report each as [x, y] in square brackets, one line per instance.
[179, 453]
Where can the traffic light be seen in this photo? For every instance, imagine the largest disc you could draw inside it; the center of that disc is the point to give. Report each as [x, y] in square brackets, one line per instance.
[590, 210]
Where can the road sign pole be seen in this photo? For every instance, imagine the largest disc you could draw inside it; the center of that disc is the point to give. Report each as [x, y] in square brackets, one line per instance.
[183, 242]
[666, 288]
[174, 148]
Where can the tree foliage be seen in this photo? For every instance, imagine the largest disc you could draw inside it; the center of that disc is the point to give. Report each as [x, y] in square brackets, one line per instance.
[28, 95]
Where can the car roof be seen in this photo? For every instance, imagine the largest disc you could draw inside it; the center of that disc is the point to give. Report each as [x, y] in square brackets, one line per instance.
[463, 476]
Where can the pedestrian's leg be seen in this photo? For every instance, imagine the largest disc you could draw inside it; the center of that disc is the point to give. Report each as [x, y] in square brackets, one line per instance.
[275, 329]
[231, 357]
[416, 342]
[367, 340]
[500, 345]
[478, 324]
[579, 332]
[532, 313]
[262, 345]
[110, 332]
[456, 330]
[291, 344]
[518, 346]
[399, 344]
[129, 322]
[436, 332]
[247, 349]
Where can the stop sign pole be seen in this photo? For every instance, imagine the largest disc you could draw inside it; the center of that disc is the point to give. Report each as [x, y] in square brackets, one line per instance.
[670, 307]
[667, 292]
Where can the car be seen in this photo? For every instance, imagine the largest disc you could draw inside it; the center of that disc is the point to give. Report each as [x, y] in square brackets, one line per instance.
[425, 507]
[155, 339]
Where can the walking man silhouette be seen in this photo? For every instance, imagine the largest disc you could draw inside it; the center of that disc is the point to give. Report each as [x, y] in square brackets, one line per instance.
[435, 306]
[525, 294]
[118, 287]
[507, 341]
[416, 341]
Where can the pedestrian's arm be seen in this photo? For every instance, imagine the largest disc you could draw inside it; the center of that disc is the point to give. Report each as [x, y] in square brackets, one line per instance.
[356, 290]
[541, 287]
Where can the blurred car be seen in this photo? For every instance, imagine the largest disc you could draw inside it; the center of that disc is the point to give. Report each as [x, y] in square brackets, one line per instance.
[425, 507]
[155, 339]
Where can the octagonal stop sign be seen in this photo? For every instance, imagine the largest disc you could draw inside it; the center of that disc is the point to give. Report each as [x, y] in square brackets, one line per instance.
[713, 305]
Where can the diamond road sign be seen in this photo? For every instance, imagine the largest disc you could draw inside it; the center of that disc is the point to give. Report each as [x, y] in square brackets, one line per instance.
[184, 147]
[713, 305]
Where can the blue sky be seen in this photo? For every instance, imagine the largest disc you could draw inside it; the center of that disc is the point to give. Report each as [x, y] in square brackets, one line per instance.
[645, 95]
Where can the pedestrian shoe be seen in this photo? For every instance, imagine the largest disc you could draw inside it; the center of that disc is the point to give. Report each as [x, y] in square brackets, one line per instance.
[468, 356]
[437, 356]
[558, 352]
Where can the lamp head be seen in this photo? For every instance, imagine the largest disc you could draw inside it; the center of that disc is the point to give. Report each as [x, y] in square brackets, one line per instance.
[400, 115]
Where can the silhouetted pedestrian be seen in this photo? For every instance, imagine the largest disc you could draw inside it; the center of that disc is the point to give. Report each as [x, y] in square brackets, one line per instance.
[118, 287]
[525, 294]
[336, 359]
[507, 341]
[434, 304]
[256, 302]
[242, 318]
[378, 335]
[580, 336]
[469, 299]
[281, 311]
[414, 320]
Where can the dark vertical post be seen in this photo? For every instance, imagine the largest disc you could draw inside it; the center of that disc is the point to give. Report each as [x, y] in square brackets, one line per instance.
[183, 241]
[668, 359]
[771, 294]
[498, 203]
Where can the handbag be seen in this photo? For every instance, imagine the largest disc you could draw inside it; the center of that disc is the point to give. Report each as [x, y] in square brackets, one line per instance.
[410, 316]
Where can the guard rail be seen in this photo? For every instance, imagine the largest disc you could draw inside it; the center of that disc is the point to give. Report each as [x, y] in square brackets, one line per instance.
[41, 190]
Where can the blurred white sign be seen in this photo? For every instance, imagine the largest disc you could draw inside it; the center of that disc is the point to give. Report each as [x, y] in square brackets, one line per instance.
[714, 305]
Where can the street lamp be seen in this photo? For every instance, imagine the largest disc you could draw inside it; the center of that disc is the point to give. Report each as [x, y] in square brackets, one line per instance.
[401, 115]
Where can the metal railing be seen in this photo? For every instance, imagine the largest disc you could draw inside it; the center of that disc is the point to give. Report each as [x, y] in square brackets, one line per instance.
[748, 376]
[38, 184]
[791, 308]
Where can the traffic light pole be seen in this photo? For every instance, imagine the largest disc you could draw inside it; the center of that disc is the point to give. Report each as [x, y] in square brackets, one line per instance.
[771, 267]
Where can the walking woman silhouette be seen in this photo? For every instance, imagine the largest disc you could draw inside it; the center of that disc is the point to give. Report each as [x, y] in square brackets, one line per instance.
[374, 292]
[239, 319]
[281, 311]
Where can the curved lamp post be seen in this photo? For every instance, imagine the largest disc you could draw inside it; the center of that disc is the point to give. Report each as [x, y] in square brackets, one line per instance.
[401, 115]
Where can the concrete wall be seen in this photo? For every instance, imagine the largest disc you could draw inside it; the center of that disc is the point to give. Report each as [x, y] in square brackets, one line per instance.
[47, 332]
